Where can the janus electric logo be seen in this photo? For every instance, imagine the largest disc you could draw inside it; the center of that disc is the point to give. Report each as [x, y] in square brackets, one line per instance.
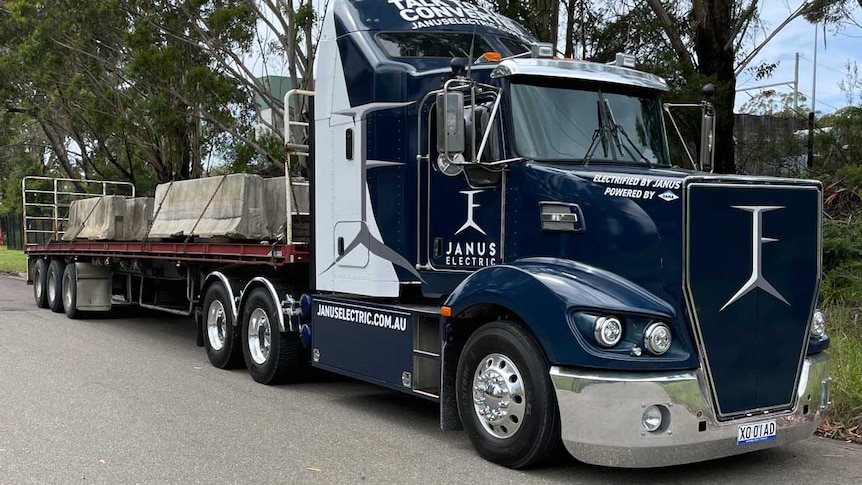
[470, 206]
[756, 280]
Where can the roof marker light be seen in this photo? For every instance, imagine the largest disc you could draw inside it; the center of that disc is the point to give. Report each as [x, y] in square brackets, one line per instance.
[542, 50]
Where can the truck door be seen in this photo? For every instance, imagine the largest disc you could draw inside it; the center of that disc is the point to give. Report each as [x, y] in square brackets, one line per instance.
[464, 212]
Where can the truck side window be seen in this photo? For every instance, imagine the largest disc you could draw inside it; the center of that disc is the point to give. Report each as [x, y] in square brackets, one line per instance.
[348, 143]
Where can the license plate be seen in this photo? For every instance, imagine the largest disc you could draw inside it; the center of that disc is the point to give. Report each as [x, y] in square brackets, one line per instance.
[755, 432]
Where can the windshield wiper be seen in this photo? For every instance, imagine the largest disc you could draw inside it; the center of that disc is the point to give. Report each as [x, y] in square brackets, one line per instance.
[604, 131]
[617, 129]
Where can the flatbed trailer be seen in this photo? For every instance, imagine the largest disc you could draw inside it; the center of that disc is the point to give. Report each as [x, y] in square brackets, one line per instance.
[201, 252]
[503, 233]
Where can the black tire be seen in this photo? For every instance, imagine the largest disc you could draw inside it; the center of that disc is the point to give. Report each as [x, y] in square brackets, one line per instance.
[40, 287]
[286, 360]
[54, 285]
[537, 435]
[222, 341]
[70, 292]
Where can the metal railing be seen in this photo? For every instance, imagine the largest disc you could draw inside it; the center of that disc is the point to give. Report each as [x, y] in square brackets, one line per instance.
[298, 149]
[46, 202]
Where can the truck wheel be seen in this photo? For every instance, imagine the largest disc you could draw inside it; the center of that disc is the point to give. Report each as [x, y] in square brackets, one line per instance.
[272, 357]
[70, 291]
[221, 336]
[54, 285]
[505, 397]
[40, 287]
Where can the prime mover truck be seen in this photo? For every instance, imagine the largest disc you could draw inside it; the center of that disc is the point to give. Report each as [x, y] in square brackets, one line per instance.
[498, 231]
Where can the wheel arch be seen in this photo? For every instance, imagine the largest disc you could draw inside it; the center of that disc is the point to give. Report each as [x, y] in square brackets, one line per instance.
[274, 289]
[536, 293]
[230, 286]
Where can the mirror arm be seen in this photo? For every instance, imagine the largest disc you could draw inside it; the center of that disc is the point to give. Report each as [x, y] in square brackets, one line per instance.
[667, 107]
[487, 133]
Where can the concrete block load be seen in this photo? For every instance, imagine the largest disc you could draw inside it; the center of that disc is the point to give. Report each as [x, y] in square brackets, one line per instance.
[109, 218]
[230, 206]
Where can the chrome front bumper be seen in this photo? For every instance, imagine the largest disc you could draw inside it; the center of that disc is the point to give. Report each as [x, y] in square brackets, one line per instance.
[600, 413]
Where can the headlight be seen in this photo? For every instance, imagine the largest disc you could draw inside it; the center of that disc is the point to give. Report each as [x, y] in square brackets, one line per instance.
[608, 331]
[818, 324]
[657, 338]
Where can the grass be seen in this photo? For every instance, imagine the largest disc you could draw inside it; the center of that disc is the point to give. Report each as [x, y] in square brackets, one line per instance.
[844, 326]
[11, 260]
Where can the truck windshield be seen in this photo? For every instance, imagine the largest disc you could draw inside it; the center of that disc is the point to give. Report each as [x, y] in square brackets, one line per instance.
[589, 124]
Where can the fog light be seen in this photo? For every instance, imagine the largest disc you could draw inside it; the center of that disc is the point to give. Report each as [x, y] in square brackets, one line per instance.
[652, 418]
[818, 324]
[657, 338]
[608, 331]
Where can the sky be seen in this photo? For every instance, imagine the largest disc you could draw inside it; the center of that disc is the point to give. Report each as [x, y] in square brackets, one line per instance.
[833, 54]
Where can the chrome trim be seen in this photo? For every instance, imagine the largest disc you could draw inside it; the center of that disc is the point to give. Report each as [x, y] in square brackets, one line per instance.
[756, 280]
[581, 70]
[221, 277]
[600, 416]
[559, 217]
[272, 291]
[648, 335]
[259, 336]
[499, 396]
[744, 182]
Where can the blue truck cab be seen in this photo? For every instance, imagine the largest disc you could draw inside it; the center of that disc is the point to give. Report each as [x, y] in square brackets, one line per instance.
[506, 233]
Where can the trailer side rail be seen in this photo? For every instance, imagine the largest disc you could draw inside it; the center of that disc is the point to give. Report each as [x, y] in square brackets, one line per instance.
[46, 202]
[222, 252]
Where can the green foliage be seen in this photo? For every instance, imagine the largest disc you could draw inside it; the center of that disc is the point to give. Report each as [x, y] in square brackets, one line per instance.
[121, 89]
[842, 262]
[242, 157]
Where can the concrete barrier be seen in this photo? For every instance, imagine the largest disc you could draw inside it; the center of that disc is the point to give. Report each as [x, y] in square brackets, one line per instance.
[109, 217]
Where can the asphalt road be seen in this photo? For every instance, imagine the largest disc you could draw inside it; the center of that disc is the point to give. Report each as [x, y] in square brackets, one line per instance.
[131, 399]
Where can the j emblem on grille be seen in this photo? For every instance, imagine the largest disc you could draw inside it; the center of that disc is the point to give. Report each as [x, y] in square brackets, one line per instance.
[756, 280]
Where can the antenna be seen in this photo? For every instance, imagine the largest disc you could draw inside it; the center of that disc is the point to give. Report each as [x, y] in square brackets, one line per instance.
[470, 60]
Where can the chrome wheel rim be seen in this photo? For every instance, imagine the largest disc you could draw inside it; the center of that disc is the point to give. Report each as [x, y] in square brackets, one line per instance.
[216, 325]
[38, 287]
[259, 336]
[499, 400]
[52, 286]
[67, 291]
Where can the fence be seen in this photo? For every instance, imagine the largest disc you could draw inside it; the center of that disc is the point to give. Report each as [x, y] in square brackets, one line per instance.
[12, 227]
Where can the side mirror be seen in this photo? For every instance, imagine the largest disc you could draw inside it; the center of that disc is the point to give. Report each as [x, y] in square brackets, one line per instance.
[450, 123]
[707, 138]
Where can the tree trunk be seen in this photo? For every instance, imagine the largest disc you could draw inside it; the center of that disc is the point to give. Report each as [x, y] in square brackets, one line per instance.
[570, 28]
[713, 31]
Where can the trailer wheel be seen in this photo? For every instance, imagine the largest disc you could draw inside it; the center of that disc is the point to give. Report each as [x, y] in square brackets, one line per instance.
[272, 357]
[505, 397]
[40, 287]
[70, 291]
[54, 285]
[221, 336]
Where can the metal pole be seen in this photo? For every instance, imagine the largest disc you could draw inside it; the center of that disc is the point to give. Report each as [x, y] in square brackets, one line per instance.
[796, 86]
[814, 80]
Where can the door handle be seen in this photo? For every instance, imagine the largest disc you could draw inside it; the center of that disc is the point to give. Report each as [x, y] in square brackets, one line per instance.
[569, 217]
